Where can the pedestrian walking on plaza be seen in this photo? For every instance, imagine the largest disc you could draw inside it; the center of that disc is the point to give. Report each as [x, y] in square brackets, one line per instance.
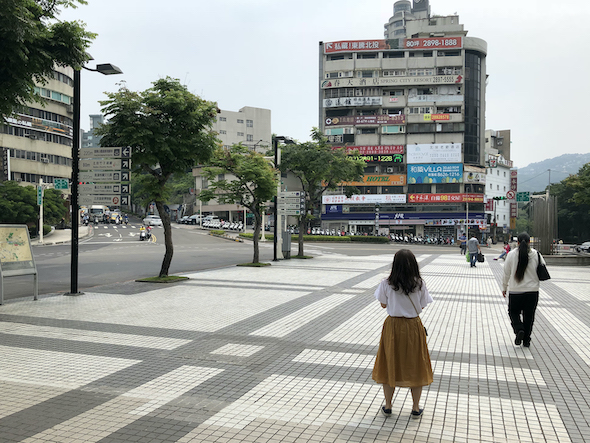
[474, 249]
[403, 359]
[463, 243]
[520, 275]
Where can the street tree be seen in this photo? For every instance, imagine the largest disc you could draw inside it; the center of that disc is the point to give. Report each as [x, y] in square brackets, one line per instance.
[169, 131]
[18, 204]
[573, 206]
[319, 168]
[253, 182]
[33, 41]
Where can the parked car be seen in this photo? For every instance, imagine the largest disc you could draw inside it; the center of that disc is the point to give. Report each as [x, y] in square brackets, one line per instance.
[183, 220]
[194, 219]
[584, 247]
[152, 220]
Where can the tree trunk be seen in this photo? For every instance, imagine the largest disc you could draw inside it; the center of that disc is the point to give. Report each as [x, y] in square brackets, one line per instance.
[257, 224]
[167, 239]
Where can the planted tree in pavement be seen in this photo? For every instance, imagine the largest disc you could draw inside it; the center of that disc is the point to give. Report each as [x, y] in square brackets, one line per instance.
[319, 168]
[169, 131]
[252, 182]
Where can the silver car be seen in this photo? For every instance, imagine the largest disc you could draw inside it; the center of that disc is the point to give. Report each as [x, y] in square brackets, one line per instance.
[152, 220]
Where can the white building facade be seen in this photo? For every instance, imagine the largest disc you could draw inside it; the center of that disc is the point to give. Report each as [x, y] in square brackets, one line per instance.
[249, 126]
[499, 181]
[412, 105]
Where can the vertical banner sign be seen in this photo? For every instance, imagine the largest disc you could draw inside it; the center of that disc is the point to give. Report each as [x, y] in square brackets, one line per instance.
[513, 204]
[5, 164]
[39, 195]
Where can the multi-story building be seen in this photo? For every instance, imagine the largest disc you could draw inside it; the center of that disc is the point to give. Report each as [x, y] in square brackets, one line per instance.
[37, 142]
[249, 126]
[413, 106]
[89, 138]
[498, 183]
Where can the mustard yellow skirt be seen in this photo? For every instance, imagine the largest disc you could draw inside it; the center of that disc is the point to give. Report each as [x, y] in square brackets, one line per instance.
[403, 359]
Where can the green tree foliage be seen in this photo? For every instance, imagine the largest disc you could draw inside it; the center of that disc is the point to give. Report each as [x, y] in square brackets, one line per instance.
[253, 183]
[318, 168]
[18, 204]
[169, 131]
[573, 206]
[32, 42]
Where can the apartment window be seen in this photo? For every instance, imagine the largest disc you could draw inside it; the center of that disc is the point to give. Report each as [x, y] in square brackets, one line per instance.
[421, 72]
[420, 110]
[504, 173]
[394, 73]
[497, 187]
[250, 138]
[332, 75]
[222, 119]
[365, 74]
[449, 70]
[367, 112]
[223, 132]
[497, 172]
[366, 56]
[419, 54]
[367, 92]
[240, 134]
[399, 32]
[448, 53]
[504, 188]
[249, 123]
[347, 56]
[366, 131]
[398, 54]
[394, 92]
[221, 177]
[240, 121]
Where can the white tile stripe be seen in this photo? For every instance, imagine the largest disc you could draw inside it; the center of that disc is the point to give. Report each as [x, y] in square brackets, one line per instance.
[238, 350]
[101, 421]
[297, 319]
[292, 399]
[442, 367]
[56, 369]
[574, 332]
[111, 338]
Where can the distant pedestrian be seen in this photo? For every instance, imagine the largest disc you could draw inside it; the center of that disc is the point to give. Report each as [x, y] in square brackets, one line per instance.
[403, 359]
[474, 249]
[520, 275]
[463, 243]
[504, 252]
[489, 242]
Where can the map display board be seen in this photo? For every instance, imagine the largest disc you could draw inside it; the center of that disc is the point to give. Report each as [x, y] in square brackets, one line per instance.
[15, 249]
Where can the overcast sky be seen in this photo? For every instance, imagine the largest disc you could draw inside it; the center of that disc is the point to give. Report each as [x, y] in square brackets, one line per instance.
[264, 53]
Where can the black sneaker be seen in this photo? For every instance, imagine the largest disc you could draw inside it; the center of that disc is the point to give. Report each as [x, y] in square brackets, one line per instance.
[519, 337]
[527, 344]
[385, 412]
[417, 414]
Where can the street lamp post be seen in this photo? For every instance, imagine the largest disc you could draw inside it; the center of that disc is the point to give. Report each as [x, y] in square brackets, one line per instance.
[106, 69]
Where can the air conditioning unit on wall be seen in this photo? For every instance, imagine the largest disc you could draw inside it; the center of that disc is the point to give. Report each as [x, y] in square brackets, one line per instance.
[44, 160]
[389, 169]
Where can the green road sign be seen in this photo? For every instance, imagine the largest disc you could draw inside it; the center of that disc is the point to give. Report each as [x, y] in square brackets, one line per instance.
[60, 183]
[39, 195]
[522, 196]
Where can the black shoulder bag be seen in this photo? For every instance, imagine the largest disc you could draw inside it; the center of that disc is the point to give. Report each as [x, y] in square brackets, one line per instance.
[542, 271]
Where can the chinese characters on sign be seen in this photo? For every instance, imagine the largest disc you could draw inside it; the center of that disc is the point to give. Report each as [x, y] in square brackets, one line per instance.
[445, 198]
[379, 180]
[364, 199]
[355, 45]
[372, 150]
[425, 173]
[367, 120]
[434, 153]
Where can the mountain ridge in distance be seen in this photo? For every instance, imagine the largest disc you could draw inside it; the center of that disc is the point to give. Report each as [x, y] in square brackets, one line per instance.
[535, 176]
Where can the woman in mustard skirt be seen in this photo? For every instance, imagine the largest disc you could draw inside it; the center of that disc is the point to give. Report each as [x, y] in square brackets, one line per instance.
[403, 359]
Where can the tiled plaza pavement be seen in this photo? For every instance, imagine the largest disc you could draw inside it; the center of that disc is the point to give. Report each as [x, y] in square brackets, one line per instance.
[284, 354]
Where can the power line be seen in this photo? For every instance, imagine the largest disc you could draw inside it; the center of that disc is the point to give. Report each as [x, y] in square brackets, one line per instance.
[552, 170]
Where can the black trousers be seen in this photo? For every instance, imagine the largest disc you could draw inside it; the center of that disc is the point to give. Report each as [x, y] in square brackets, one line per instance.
[521, 309]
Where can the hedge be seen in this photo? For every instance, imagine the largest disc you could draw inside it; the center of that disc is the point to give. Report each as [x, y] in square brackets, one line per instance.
[217, 232]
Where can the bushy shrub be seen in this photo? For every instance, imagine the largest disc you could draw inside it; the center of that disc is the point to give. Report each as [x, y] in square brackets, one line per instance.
[217, 232]
[319, 238]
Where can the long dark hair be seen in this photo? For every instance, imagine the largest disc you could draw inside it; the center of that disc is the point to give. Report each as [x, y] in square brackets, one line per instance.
[524, 241]
[405, 273]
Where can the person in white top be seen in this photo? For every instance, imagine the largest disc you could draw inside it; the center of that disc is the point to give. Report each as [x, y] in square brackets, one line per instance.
[520, 275]
[403, 358]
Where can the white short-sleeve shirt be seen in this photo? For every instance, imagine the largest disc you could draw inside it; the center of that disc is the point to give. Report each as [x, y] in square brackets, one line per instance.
[398, 303]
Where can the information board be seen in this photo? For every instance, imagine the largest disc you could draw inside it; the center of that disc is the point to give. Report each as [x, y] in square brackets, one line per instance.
[16, 255]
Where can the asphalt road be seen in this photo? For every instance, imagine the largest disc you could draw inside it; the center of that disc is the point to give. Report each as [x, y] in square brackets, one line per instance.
[115, 254]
